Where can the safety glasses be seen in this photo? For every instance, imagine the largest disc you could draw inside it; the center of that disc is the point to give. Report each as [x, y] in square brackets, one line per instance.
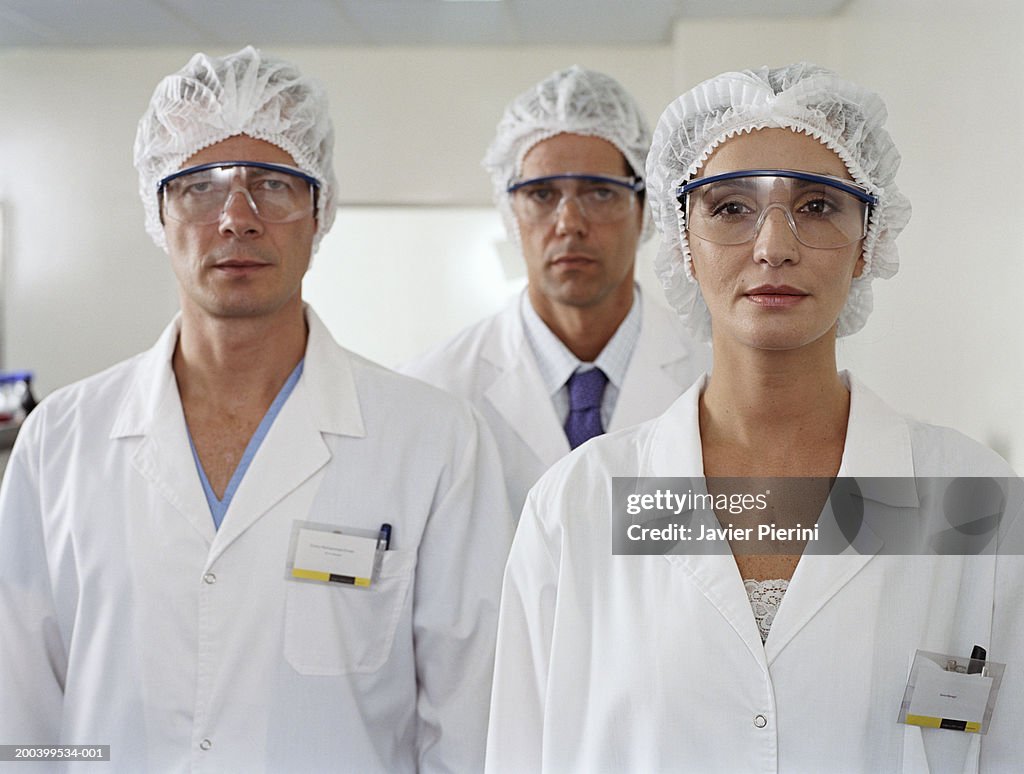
[200, 195]
[599, 198]
[822, 211]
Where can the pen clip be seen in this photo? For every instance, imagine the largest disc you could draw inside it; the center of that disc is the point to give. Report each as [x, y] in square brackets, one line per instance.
[384, 538]
[977, 663]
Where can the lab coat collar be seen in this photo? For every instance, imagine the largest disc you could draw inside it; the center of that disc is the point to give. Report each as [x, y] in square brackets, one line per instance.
[649, 380]
[151, 411]
[879, 455]
[877, 451]
[674, 449]
[331, 399]
[518, 393]
[152, 387]
[324, 400]
[520, 396]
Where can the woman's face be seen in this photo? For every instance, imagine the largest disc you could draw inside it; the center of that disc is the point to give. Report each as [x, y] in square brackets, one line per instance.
[773, 292]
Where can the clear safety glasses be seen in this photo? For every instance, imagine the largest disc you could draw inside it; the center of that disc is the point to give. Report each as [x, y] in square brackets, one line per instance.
[599, 198]
[201, 194]
[822, 211]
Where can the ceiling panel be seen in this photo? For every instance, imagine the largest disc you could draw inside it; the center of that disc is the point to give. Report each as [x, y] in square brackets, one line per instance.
[419, 22]
[89, 23]
[305, 22]
[104, 23]
[703, 9]
[595, 22]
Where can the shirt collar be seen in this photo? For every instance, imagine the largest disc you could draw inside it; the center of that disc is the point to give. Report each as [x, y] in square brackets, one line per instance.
[557, 363]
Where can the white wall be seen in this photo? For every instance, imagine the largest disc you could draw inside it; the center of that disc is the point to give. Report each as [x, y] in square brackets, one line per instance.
[84, 287]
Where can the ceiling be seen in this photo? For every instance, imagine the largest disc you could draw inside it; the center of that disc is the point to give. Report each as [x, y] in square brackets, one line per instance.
[105, 23]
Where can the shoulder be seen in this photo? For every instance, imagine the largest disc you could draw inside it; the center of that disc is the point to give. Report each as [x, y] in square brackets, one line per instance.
[883, 441]
[399, 398]
[662, 329]
[462, 359]
[80, 405]
[943, 451]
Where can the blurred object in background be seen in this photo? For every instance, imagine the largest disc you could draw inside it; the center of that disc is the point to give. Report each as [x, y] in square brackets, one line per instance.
[16, 401]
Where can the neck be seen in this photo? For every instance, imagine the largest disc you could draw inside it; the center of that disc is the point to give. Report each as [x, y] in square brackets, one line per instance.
[585, 330]
[238, 362]
[775, 404]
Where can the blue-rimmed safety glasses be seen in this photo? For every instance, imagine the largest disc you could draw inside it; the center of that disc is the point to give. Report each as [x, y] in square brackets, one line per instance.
[823, 211]
[200, 195]
[599, 198]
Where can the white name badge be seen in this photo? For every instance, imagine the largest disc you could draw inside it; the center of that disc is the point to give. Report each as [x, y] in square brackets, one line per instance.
[325, 553]
[951, 692]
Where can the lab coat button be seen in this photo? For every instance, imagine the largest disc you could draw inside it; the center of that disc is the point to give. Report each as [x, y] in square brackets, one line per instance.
[206, 744]
[760, 721]
[210, 578]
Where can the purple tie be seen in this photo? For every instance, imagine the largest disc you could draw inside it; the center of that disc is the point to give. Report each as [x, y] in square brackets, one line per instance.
[585, 391]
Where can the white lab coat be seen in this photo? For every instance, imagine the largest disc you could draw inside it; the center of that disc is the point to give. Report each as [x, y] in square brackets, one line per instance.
[492, 365]
[654, 663]
[126, 619]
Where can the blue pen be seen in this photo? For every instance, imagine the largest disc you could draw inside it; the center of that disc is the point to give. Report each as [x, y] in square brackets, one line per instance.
[385, 536]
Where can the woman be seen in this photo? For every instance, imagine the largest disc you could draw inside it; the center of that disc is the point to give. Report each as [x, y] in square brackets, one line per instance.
[774, 193]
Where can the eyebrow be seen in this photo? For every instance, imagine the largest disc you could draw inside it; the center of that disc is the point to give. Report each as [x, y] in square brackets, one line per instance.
[802, 184]
[750, 183]
[746, 183]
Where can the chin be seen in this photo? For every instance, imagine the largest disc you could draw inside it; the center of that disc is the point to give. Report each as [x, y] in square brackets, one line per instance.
[579, 295]
[794, 341]
[781, 336]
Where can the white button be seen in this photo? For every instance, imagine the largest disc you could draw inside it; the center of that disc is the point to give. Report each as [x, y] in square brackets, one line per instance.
[206, 744]
[760, 721]
[210, 578]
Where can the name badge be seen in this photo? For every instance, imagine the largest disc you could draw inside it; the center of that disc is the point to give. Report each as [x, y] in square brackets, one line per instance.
[325, 553]
[957, 693]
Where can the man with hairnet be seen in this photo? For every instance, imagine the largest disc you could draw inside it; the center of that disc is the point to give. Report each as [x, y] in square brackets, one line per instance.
[582, 351]
[248, 549]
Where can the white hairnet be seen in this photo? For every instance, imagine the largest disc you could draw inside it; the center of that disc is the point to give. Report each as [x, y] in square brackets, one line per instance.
[214, 98]
[573, 101]
[802, 97]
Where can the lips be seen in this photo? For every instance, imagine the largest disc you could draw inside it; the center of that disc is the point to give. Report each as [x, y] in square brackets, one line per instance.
[239, 265]
[239, 268]
[775, 295]
[569, 260]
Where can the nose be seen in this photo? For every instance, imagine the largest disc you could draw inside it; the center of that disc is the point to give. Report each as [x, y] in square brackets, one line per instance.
[570, 218]
[775, 241]
[239, 217]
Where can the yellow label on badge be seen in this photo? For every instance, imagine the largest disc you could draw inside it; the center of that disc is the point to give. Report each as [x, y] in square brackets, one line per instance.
[311, 574]
[930, 722]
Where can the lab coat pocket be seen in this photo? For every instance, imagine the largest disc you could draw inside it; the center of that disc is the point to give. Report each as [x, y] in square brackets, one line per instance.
[938, 751]
[337, 629]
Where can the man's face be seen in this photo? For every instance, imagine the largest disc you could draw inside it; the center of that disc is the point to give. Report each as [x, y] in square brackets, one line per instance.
[570, 260]
[240, 266]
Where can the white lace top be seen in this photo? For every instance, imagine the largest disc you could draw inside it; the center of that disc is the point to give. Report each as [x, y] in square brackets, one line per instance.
[765, 598]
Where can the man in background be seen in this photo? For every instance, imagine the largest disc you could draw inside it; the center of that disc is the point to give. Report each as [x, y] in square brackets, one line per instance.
[581, 351]
[248, 549]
